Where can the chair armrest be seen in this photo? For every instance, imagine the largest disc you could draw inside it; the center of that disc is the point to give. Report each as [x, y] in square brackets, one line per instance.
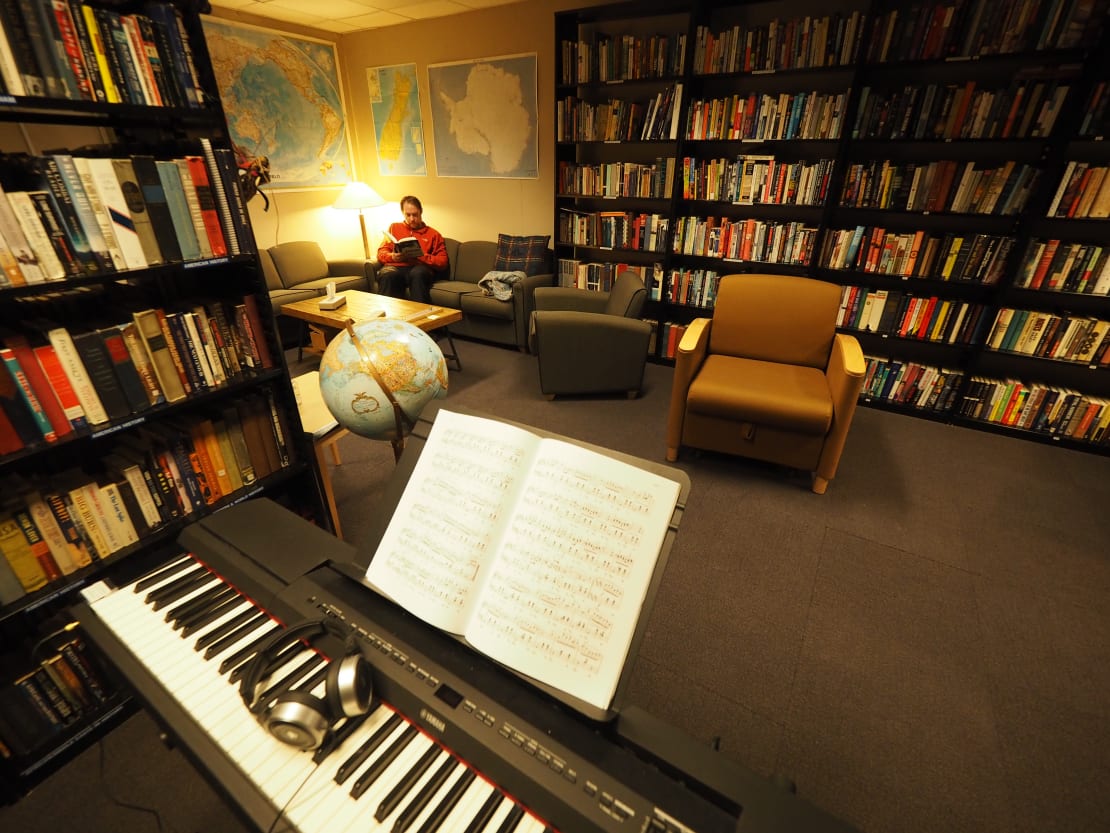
[570, 298]
[691, 353]
[587, 333]
[353, 266]
[524, 301]
[845, 377]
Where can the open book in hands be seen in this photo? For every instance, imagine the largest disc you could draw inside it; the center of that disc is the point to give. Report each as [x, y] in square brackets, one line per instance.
[407, 247]
[537, 551]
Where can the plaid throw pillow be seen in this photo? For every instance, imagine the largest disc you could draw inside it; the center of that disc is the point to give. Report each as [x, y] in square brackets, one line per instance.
[522, 254]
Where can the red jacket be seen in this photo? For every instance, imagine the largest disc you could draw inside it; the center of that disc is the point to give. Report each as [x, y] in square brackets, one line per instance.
[431, 241]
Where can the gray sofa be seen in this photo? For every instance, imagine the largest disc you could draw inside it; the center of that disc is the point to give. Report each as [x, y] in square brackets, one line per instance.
[485, 317]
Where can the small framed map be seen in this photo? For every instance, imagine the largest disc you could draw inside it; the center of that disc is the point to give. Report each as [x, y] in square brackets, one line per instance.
[283, 101]
[484, 117]
[398, 124]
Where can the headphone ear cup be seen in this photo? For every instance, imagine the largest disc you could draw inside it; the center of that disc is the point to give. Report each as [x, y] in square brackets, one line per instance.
[349, 688]
[299, 719]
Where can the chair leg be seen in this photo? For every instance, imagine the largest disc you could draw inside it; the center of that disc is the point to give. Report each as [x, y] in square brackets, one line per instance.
[632, 394]
[672, 455]
[819, 485]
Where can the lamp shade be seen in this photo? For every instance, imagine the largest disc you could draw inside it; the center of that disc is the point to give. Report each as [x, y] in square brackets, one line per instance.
[358, 195]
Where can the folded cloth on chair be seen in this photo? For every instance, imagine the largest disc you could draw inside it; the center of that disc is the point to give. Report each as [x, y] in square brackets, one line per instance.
[500, 284]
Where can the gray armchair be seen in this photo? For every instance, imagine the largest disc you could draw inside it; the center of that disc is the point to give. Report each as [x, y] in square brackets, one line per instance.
[591, 342]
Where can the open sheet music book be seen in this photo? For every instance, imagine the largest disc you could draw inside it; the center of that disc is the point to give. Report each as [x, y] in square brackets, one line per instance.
[537, 551]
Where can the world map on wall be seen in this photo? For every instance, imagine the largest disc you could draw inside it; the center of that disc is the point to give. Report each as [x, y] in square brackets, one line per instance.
[398, 125]
[282, 100]
[484, 117]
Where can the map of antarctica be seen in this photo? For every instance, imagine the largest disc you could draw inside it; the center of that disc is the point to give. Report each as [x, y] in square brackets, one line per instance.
[484, 117]
[281, 97]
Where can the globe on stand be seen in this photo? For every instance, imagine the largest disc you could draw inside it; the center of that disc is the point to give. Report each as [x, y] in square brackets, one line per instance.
[377, 376]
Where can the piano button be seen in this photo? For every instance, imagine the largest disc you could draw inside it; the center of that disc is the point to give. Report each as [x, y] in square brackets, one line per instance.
[372, 772]
[402, 788]
[163, 574]
[423, 798]
[180, 609]
[213, 635]
[442, 809]
[236, 635]
[348, 767]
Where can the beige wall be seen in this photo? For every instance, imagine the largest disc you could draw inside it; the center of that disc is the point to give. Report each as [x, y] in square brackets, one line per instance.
[464, 208]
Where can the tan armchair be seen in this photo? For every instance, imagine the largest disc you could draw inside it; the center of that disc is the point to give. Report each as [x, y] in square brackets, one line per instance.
[591, 342]
[768, 376]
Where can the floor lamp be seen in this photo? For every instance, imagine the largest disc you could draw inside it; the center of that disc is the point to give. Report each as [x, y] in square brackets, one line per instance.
[359, 196]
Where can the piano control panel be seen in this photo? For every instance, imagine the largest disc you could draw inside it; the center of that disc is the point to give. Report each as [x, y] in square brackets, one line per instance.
[458, 714]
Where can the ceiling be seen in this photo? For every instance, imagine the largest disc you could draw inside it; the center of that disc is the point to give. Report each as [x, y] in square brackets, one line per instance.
[344, 16]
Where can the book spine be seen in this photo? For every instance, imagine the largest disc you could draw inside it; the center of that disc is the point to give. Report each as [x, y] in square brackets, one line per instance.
[148, 323]
[100, 218]
[116, 213]
[98, 365]
[178, 207]
[198, 171]
[192, 201]
[60, 509]
[52, 224]
[28, 393]
[154, 196]
[144, 366]
[37, 544]
[137, 211]
[127, 373]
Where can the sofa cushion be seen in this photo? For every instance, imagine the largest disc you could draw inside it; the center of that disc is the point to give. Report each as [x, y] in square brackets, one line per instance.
[269, 271]
[320, 285]
[449, 293]
[452, 247]
[299, 261]
[289, 296]
[474, 259]
[478, 303]
[522, 254]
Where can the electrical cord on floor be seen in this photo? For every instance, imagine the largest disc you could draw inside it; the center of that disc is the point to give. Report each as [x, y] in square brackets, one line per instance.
[163, 826]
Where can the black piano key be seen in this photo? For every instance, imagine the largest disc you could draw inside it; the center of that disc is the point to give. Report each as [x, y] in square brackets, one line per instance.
[512, 820]
[421, 799]
[336, 738]
[247, 651]
[217, 640]
[190, 574]
[191, 624]
[201, 601]
[485, 813]
[406, 783]
[168, 596]
[279, 660]
[362, 784]
[443, 808]
[279, 687]
[366, 750]
[162, 573]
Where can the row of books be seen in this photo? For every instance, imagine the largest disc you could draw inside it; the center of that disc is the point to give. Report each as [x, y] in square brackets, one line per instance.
[905, 315]
[744, 239]
[802, 115]
[617, 179]
[689, 287]
[913, 384]
[617, 120]
[1068, 338]
[751, 179]
[613, 229]
[793, 43]
[952, 256]
[1023, 109]
[72, 50]
[54, 382]
[971, 28]
[599, 277]
[66, 216]
[670, 334]
[1037, 407]
[159, 473]
[992, 187]
[63, 689]
[610, 58]
[1096, 112]
[1056, 266]
[1083, 192]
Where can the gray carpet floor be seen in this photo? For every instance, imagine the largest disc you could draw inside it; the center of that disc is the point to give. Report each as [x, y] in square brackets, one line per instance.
[924, 648]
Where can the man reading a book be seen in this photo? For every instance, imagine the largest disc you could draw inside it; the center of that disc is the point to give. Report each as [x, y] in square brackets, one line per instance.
[412, 256]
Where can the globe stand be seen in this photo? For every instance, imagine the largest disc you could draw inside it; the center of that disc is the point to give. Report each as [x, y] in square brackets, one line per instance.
[402, 420]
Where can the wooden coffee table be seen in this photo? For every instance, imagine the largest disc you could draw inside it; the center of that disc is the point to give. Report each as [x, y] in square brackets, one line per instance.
[323, 324]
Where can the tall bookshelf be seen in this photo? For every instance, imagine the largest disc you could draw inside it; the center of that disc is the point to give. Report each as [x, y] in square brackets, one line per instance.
[908, 151]
[164, 441]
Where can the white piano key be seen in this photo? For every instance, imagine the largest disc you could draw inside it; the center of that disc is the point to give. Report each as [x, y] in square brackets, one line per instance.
[358, 814]
[467, 806]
